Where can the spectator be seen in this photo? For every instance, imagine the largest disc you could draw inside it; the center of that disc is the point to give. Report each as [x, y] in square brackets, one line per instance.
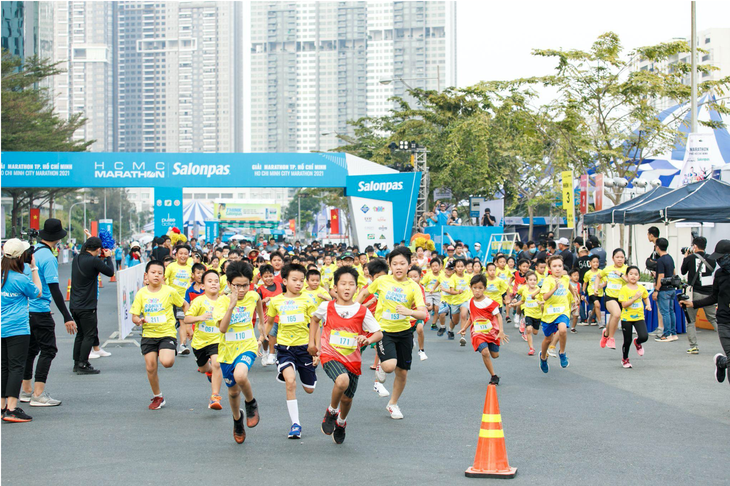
[531, 251]
[85, 270]
[488, 219]
[118, 255]
[699, 269]
[542, 253]
[454, 219]
[595, 249]
[442, 216]
[583, 263]
[577, 244]
[17, 288]
[665, 295]
[134, 257]
[163, 250]
[42, 326]
[478, 253]
[568, 259]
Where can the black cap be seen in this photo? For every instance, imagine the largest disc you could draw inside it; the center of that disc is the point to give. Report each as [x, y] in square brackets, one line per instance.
[722, 248]
[92, 243]
[347, 254]
[52, 230]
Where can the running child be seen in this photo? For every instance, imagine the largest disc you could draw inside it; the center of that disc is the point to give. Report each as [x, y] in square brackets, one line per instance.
[206, 336]
[574, 275]
[314, 290]
[594, 289]
[346, 327]
[445, 306]
[153, 310]
[485, 321]
[531, 308]
[414, 273]
[460, 295]
[432, 284]
[498, 289]
[238, 345]
[631, 296]
[268, 289]
[294, 311]
[518, 280]
[540, 271]
[613, 279]
[555, 293]
[178, 275]
[196, 288]
[377, 268]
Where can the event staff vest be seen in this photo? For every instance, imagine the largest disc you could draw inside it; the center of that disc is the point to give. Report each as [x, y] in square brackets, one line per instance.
[339, 338]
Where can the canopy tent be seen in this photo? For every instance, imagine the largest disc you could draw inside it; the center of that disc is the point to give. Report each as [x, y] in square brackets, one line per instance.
[616, 214]
[196, 212]
[705, 201]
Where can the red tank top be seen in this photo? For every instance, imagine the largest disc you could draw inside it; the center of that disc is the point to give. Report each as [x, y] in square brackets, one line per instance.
[264, 292]
[485, 315]
[339, 338]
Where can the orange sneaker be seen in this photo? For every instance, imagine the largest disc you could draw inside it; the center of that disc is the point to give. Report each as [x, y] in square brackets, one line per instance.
[215, 402]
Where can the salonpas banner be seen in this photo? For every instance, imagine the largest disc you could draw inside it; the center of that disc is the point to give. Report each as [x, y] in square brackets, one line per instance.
[247, 212]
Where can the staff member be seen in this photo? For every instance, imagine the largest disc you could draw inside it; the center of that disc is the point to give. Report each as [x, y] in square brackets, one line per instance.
[17, 288]
[85, 270]
[42, 326]
[699, 268]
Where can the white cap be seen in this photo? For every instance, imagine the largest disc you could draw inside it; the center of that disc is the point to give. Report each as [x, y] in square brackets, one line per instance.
[14, 248]
[563, 241]
[135, 244]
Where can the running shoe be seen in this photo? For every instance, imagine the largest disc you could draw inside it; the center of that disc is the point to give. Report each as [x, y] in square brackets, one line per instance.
[509, 319]
[720, 367]
[441, 331]
[673, 337]
[252, 414]
[494, 380]
[102, 353]
[16, 416]
[328, 422]
[422, 355]
[25, 397]
[394, 411]
[524, 336]
[662, 339]
[295, 432]
[381, 390]
[604, 339]
[531, 352]
[339, 434]
[239, 431]
[611, 343]
[433, 326]
[522, 325]
[272, 358]
[451, 335]
[573, 330]
[639, 348]
[86, 369]
[44, 400]
[157, 403]
[215, 402]
[625, 363]
[564, 360]
[184, 350]
[543, 363]
[209, 375]
[693, 350]
[380, 374]
[265, 359]
[551, 352]
[462, 341]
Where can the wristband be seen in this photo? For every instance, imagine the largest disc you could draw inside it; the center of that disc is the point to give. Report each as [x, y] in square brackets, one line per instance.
[34, 269]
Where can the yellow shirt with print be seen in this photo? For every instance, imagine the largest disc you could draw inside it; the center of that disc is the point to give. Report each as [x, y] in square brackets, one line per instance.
[530, 305]
[559, 303]
[432, 283]
[156, 308]
[392, 293]
[206, 332]
[504, 274]
[540, 277]
[460, 284]
[295, 314]
[496, 289]
[614, 281]
[240, 336]
[590, 280]
[178, 276]
[328, 273]
[313, 294]
[446, 298]
[635, 312]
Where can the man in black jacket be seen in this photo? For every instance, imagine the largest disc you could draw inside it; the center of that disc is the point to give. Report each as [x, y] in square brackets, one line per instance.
[699, 268]
[85, 270]
[720, 296]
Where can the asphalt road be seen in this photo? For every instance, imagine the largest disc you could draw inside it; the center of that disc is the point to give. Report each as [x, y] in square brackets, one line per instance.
[593, 423]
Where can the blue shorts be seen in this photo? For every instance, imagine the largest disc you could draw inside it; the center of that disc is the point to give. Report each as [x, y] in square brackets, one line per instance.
[456, 308]
[300, 359]
[550, 328]
[443, 308]
[274, 329]
[227, 369]
[494, 348]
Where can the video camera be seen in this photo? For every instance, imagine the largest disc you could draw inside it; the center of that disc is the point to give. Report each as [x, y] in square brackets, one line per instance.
[676, 283]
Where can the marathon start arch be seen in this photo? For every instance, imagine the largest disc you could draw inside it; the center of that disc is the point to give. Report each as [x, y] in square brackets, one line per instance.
[382, 200]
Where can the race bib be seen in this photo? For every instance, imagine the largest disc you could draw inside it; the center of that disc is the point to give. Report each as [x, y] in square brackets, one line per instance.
[232, 336]
[482, 326]
[637, 305]
[531, 304]
[555, 309]
[343, 340]
[179, 283]
[614, 286]
[156, 319]
[445, 285]
[291, 318]
[204, 328]
[391, 316]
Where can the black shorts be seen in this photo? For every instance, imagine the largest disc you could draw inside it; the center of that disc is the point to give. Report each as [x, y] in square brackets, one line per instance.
[334, 369]
[299, 358]
[532, 322]
[608, 299]
[153, 345]
[202, 355]
[592, 299]
[398, 346]
[179, 315]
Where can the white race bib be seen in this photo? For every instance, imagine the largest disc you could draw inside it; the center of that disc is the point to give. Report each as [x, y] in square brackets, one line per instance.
[342, 340]
[531, 304]
[637, 305]
[232, 336]
[210, 329]
[391, 316]
[180, 283]
[291, 318]
[156, 319]
[614, 286]
[482, 326]
[555, 309]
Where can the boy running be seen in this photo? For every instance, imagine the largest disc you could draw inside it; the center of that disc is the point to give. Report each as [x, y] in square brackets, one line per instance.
[196, 288]
[432, 283]
[178, 275]
[460, 295]
[531, 308]
[415, 274]
[556, 294]
[377, 268]
[314, 289]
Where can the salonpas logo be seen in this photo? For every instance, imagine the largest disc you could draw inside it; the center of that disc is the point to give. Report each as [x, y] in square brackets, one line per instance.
[379, 186]
[200, 170]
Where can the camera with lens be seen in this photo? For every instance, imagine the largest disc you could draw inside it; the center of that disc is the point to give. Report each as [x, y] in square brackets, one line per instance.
[685, 250]
[674, 282]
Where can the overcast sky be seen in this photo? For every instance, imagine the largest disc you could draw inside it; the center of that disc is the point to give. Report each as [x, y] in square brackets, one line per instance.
[495, 39]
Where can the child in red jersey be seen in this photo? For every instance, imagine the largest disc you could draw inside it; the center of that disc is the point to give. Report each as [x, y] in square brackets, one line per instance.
[485, 321]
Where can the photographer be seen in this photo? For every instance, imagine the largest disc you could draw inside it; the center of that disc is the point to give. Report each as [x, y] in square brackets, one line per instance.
[85, 270]
[665, 292]
[652, 234]
[488, 219]
[699, 269]
[721, 296]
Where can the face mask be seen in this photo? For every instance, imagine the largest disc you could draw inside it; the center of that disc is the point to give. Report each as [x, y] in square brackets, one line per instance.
[320, 262]
[533, 250]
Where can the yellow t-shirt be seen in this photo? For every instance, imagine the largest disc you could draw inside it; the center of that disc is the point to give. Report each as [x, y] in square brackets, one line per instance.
[224, 285]
[178, 276]
[559, 303]
[295, 314]
[636, 311]
[432, 283]
[206, 332]
[313, 294]
[496, 289]
[590, 280]
[462, 285]
[361, 280]
[530, 305]
[240, 336]
[505, 274]
[392, 293]
[328, 273]
[613, 274]
[444, 284]
[156, 308]
[540, 277]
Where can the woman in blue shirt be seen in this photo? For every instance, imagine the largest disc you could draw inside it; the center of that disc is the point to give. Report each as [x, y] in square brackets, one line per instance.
[134, 257]
[17, 288]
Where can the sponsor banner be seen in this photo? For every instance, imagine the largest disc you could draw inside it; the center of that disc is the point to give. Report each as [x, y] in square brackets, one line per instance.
[583, 193]
[227, 211]
[701, 155]
[568, 198]
[365, 226]
[106, 225]
[168, 209]
[129, 281]
[598, 194]
[212, 229]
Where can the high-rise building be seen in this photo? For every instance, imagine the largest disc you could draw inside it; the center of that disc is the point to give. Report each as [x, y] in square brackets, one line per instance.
[317, 65]
[27, 29]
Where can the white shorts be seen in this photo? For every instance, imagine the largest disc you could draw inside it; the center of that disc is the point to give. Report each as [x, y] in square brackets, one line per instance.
[433, 298]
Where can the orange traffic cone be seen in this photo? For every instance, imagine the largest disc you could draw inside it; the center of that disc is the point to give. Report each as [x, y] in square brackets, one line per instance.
[68, 291]
[101, 284]
[491, 457]
[114, 278]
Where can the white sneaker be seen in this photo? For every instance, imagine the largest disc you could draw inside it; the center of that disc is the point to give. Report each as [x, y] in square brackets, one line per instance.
[551, 352]
[94, 355]
[422, 355]
[272, 358]
[102, 352]
[462, 341]
[381, 390]
[379, 374]
[265, 359]
[394, 411]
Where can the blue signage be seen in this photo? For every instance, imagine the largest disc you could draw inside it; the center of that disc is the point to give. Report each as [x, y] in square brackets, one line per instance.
[168, 209]
[211, 231]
